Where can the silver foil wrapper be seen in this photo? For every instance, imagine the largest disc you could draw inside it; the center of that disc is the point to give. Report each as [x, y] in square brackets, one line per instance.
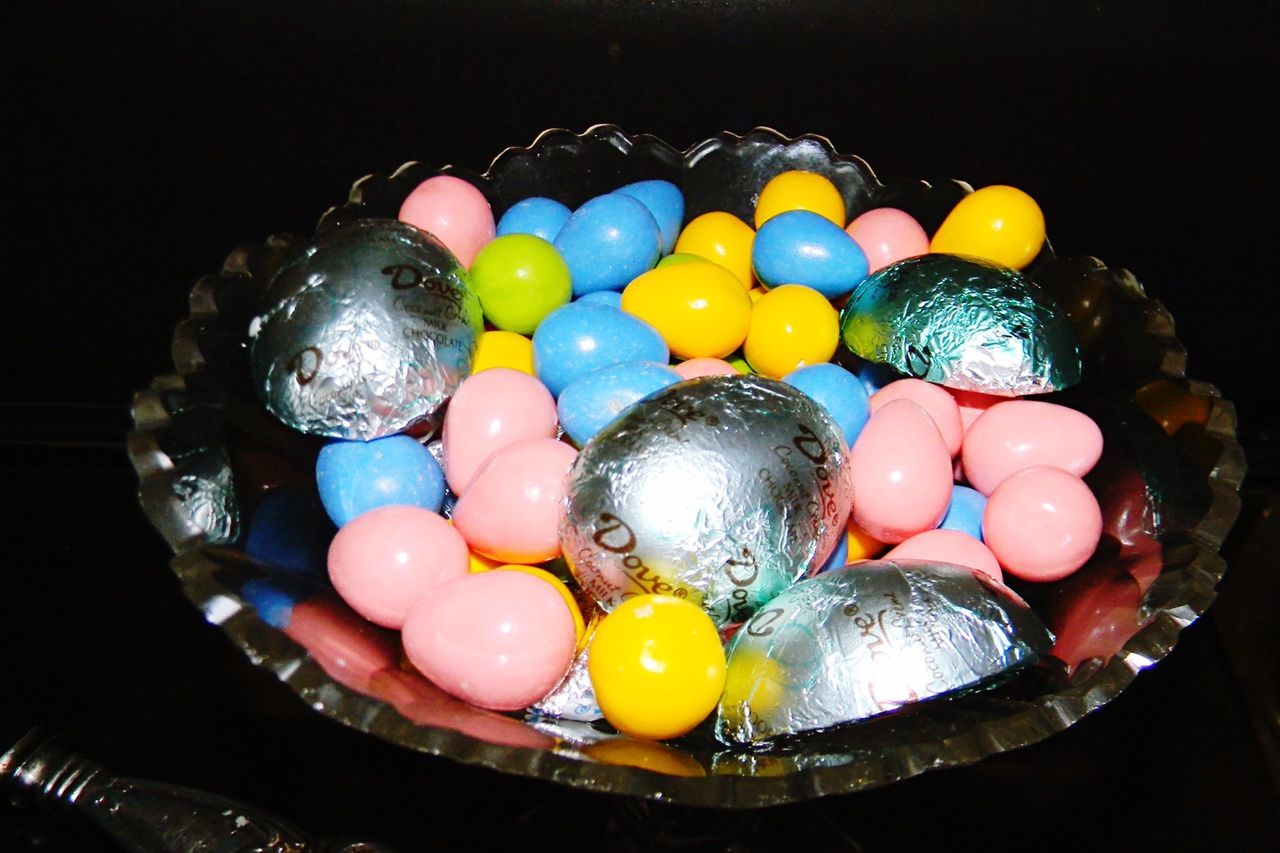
[368, 332]
[963, 323]
[867, 639]
[573, 698]
[723, 490]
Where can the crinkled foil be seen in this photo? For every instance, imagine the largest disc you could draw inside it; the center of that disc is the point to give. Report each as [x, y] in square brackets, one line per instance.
[723, 490]
[851, 644]
[573, 698]
[369, 331]
[963, 323]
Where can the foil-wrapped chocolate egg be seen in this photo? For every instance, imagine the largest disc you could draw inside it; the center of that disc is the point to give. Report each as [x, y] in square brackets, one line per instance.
[867, 639]
[724, 490]
[964, 323]
[367, 332]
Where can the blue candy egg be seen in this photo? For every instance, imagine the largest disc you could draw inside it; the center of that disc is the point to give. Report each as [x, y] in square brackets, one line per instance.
[589, 403]
[607, 242]
[965, 511]
[357, 476]
[290, 530]
[580, 337]
[541, 217]
[875, 376]
[275, 597]
[665, 202]
[839, 557]
[605, 297]
[839, 392]
[800, 247]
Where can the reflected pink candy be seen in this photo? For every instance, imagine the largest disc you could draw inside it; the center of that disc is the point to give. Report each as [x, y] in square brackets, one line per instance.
[901, 473]
[1095, 617]
[491, 410]
[972, 405]
[696, 367]
[934, 399]
[887, 235]
[949, 546]
[347, 647]
[454, 212]
[1018, 434]
[500, 640]
[511, 510]
[1042, 524]
[384, 560]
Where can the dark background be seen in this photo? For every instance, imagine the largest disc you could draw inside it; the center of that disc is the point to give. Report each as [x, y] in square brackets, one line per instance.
[152, 138]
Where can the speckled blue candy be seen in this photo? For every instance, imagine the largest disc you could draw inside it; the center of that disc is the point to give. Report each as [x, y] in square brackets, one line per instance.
[965, 511]
[591, 402]
[581, 337]
[800, 247]
[839, 392]
[665, 202]
[611, 298]
[357, 476]
[607, 242]
[541, 217]
[290, 530]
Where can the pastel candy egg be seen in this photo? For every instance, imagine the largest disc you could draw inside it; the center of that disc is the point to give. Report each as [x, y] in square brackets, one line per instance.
[665, 201]
[290, 530]
[998, 223]
[607, 242]
[1018, 434]
[964, 513]
[490, 411]
[699, 308]
[791, 326]
[839, 392]
[579, 625]
[972, 404]
[581, 337]
[934, 399]
[386, 559]
[520, 279]
[500, 640]
[723, 239]
[589, 403]
[949, 546]
[503, 349]
[901, 473]
[356, 476]
[697, 367]
[862, 545]
[541, 217]
[454, 212]
[799, 247]
[800, 191]
[612, 298]
[887, 235]
[511, 509]
[1042, 524]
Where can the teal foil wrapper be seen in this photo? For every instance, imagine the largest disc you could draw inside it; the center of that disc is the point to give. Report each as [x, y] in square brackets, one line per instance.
[963, 323]
[870, 638]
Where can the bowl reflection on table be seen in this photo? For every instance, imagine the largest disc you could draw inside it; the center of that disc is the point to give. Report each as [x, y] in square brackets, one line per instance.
[210, 459]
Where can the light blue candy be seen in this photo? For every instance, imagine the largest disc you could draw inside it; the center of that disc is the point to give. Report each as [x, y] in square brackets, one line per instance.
[800, 247]
[965, 511]
[580, 337]
[289, 530]
[541, 217]
[839, 557]
[607, 242]
[357, 476]
[839, 392]
[590, 403]
[665, 202]
[611, 298]
[875, 376]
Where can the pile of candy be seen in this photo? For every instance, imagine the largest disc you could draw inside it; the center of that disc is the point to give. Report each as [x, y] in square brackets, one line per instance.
[607, 463]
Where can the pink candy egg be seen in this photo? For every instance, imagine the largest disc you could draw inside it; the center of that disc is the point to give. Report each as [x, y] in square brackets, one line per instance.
[949, 546]
[1042, 523]
[511, 510]
[972, 404]
[1018, 434]
[491, 410]
[500, 640]
[454, 212]
[384, 560]
[934, 399]
[901, 473]
[696, 367]
[887, 235]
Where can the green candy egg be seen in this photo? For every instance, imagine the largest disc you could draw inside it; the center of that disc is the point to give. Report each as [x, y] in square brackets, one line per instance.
[520, 279]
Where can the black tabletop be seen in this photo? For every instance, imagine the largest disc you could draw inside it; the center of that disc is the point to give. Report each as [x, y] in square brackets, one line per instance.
[152, 139]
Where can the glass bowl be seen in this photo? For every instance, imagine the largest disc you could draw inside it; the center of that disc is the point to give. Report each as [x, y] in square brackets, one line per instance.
[211, 460]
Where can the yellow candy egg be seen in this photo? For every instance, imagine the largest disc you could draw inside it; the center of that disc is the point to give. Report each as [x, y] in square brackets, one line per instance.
[478, 563]
[657, 666]
[791, 326]
[997, 223]
[862, 545]
[723, 239]
[503, 349]
[699, 308]
[579, 626]
[800, 191]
